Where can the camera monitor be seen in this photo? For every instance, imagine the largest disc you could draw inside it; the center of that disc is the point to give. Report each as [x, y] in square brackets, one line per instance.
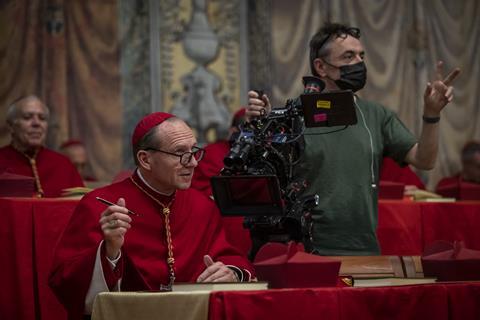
[256, 195]
[327, 109]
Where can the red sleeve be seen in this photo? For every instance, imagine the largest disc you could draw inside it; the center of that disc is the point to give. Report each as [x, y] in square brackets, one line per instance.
[74, 257]
[221, 250]
[111, 275]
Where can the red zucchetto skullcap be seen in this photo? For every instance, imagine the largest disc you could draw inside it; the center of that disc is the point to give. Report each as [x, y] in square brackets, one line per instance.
[147, 123]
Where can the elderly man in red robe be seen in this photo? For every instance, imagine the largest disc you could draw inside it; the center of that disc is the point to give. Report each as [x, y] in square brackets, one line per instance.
[465, 185]
[169, 232]
[27, 121]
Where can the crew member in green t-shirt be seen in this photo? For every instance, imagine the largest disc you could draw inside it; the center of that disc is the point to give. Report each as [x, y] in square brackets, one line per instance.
[343, 167]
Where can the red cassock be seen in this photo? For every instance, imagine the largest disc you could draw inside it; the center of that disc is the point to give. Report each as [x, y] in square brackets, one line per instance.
[455, 180]
[196, 230]
[209, 166]
[391, 171]
[55, 170]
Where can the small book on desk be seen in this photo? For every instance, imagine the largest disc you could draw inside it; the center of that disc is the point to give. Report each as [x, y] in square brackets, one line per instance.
[427, 196]
[219, 286]
[386, 282]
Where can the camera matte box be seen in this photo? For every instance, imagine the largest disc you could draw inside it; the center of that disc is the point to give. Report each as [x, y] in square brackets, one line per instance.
[255, 195]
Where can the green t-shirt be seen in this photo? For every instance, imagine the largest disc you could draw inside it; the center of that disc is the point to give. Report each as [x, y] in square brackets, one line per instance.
[340, 167]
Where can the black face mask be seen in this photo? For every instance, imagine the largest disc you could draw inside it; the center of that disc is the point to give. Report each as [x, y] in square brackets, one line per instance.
[352, 76]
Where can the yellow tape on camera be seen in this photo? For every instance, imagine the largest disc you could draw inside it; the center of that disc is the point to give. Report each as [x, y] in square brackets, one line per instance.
[323, 104]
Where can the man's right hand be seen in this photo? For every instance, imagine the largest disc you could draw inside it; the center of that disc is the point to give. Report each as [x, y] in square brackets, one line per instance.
[257, 106]
[115, 223]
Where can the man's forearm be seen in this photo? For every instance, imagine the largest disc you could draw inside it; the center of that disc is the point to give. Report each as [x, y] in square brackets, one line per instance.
[427, 149]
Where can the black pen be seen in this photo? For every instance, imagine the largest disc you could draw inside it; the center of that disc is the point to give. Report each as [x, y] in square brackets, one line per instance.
[113, 204]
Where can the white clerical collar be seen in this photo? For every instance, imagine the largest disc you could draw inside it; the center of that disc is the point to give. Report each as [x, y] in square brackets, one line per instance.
[148, 185]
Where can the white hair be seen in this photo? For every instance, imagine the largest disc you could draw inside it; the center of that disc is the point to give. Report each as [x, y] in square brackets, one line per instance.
[13, 110]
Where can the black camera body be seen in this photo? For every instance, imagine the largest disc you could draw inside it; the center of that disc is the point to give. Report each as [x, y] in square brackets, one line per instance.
[258, 182]
[268, 145]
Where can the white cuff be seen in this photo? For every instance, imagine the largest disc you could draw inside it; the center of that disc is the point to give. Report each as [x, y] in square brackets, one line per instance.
[237, 271]
[113, 262]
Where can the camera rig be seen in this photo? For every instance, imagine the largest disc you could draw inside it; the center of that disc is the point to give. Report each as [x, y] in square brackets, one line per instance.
[258, 180]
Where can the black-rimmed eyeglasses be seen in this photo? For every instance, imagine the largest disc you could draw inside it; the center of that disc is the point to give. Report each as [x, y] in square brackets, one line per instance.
[185, 157]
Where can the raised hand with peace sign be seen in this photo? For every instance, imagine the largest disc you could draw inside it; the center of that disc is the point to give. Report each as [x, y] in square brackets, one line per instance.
[437, 95]
[439, 92]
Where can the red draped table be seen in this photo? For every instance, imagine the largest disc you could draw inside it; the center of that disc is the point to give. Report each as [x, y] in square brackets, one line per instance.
[406, 227]
[31, 227]
[460, 301]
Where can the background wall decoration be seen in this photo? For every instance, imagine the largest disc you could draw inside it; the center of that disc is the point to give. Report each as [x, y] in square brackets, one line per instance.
[101, 65]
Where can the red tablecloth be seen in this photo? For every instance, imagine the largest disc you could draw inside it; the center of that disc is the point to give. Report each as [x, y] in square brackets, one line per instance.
[451, 221]
[406, 227]
[437, 301]
[29, 229]
[399, 229]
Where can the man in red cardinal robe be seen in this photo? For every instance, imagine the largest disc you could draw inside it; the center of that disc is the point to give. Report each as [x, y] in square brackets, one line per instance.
[169, 233]
[27, 121]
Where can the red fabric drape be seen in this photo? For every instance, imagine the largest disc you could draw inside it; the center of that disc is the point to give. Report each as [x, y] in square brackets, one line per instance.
[28, 233]
[450, 222]
[399, 229]
[438, 301]
[275, 304]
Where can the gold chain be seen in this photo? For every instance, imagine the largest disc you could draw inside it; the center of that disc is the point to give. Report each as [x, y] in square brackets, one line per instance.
[168, 234]
[36, 176]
